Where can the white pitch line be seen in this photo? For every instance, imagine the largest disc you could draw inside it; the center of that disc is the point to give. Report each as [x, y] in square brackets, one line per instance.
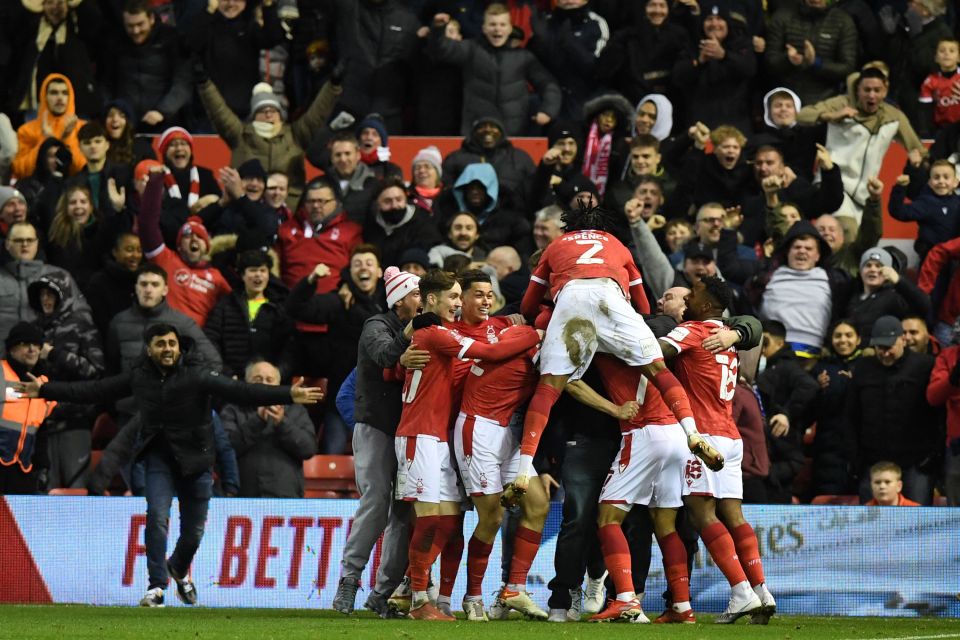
[933, 637]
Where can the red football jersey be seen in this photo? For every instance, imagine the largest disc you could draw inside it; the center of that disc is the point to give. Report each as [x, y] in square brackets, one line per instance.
[494, 390]
[709, 379]
[938, 89]
[581, 255]
[624, 383]
[427, 393]
[194, 291]
[486, 331]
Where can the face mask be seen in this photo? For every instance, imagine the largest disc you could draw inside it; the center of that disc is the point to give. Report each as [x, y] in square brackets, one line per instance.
[265, 129]
[393, 216]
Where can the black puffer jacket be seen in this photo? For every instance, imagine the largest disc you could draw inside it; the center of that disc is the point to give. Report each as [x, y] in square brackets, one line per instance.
[639, 60]
[419, 230]
[834, 36]
[175, 403]
[239, 341]
[270, 455]
[888, 414]
[513, 166]
[378, 41]
[230, 50]
[496, 81]
[785, 388]
[151, 76]
[899, 300]
[110, 291]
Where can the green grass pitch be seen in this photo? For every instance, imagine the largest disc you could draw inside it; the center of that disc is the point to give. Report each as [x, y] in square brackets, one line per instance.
[76, 622]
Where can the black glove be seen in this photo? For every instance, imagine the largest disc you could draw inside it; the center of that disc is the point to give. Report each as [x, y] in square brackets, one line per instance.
[955, 375]
[340, 70]
[425, 320]
[64, 159]
[199, 69]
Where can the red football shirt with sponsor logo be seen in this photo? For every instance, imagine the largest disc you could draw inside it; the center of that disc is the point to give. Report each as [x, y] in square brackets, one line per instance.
[193, 291]
[495, 390]
[941, 91]
[485, 331]
[427, 397]
[624, 383]
[582, 255]
[710, 380]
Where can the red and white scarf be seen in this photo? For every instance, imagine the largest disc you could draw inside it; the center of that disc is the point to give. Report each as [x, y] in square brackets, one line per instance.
[173, 189]
[596, 158]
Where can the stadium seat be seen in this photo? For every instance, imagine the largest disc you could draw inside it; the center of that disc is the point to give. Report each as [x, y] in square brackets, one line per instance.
[67, 492]
[104, 430]
[329, 477]
[836, 500]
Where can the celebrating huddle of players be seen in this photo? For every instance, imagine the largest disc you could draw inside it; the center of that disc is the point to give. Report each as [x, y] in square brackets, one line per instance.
[679, 443]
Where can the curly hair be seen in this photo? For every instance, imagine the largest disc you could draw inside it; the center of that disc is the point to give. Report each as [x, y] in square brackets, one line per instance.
[583, 217]
[718, 290]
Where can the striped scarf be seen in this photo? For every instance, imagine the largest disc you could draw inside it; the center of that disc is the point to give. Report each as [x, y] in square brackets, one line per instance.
[596, 158]
[173, 189]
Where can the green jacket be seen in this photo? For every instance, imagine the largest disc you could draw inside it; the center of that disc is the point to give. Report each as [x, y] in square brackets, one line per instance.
[285, 151]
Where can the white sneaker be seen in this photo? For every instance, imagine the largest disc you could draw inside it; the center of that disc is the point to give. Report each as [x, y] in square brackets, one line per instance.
[641, 619]
[473, 607]
[433, 591]
[738, 607]
[558, 615]
[499, 609]
[575, 611]
[593, 594]
[153, 598]
[769, 605]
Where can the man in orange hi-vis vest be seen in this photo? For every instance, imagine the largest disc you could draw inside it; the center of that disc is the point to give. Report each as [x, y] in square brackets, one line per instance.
[21, 416]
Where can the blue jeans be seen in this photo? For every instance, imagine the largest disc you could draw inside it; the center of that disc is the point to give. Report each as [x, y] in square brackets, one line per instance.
[163, 481]
[585, 466]
[333, 439]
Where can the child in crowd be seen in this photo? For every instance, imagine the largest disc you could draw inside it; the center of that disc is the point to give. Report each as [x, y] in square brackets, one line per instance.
[886, 481]
[936, 208]
[939, 101]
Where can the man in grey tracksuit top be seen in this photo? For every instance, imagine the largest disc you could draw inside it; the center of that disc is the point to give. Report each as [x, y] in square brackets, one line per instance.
[377, 407]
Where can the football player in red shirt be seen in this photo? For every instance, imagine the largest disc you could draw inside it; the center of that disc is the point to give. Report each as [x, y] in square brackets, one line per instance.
[593, 279]
[425, 474]
[714, 497]
[488, 454]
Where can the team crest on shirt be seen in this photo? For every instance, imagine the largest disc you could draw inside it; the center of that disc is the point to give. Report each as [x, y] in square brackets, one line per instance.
[419, 486]
[693, 471]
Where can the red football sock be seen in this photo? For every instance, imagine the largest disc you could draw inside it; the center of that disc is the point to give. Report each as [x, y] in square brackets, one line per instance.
[538, 412]
[478, 554]
[420, 554]
[450, 560]
[616, 555]
[526, 543]
[673, 394]
[724, 554]
[675, 567]
[745, 541]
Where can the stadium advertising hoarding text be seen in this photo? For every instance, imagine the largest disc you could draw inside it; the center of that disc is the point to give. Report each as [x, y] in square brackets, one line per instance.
[285, 554]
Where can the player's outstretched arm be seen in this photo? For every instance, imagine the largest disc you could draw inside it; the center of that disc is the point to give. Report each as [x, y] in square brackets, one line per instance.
[585, 394]
[513, 342]
[530, 305]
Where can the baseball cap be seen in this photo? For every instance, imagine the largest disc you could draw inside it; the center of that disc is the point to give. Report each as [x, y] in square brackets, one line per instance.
[885, 331]
[695, 249]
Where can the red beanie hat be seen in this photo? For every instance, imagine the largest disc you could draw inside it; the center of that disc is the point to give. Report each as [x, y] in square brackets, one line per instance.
[171, 134]
[194, 226]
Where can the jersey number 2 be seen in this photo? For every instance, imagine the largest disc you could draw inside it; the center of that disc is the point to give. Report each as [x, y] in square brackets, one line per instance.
[587, 256]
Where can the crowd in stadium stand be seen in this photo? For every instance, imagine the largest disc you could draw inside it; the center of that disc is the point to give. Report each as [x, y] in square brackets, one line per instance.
[737, 138]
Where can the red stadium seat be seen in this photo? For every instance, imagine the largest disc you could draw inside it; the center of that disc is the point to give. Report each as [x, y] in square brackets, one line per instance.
[67, 492]
[836, 499]
[329, 477]
[104, 429]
